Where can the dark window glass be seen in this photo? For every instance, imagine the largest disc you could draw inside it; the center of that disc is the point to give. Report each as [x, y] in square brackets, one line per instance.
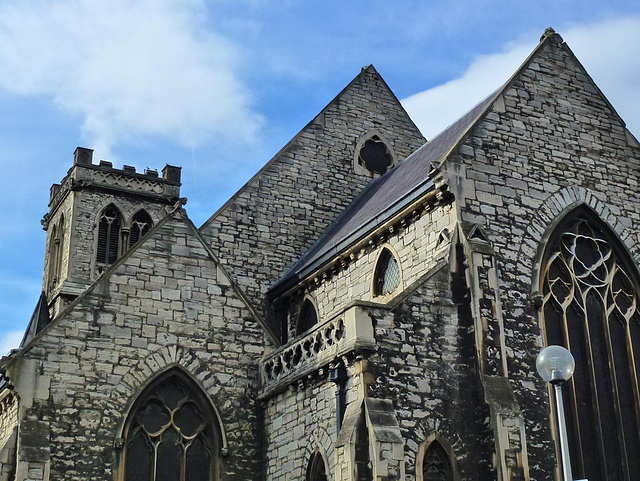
[108, 236]
[140, 225]
[308, 317]
[374, 156]
[170, 433]
[436, 465]
[590, 293]
[316, 471]
[387, 274]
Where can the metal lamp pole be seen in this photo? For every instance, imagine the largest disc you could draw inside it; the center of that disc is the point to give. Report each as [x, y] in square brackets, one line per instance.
[555, 365]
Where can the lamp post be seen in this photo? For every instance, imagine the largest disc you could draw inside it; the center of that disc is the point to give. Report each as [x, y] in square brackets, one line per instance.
[555, 365]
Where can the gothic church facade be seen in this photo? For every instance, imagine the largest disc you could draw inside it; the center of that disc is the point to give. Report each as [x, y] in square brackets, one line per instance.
[369, 306]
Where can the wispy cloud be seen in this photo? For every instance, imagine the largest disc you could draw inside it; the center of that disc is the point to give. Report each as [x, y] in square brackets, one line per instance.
[127, 68]
[606, 49]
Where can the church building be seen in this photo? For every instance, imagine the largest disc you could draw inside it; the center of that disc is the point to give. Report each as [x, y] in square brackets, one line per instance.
[369, 306]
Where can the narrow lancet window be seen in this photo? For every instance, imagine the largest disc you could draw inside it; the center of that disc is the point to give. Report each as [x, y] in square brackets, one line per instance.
[436, 465]
[308, 317]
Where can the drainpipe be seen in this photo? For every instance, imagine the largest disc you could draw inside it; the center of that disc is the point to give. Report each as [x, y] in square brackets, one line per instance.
[338, 375]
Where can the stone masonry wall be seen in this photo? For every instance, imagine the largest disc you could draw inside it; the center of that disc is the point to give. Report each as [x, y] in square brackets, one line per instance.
[550, 143]
[426, 364]
[269, 223]
[166, 303]
[301, 420]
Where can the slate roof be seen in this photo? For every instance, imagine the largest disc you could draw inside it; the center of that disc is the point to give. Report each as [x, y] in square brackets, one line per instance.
[382, 198]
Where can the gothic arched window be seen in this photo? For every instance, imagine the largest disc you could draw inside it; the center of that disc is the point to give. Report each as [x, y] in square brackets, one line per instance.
[436, 465]
[386, 275]
[316, 470]
[590, 305]
[108, 236]
[171, 433]
[140, 225]
[308, 317]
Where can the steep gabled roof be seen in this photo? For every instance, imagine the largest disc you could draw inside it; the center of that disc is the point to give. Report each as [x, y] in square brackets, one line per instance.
[389, 194]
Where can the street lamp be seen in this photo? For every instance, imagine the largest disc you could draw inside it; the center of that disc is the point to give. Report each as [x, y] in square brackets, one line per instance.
[555, 365]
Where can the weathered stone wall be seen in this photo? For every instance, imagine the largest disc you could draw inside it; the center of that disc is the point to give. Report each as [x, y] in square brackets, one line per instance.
[270, 222]
[426, 364]
[301, 420]
[8, 435]
[166, 303]
[550, 143]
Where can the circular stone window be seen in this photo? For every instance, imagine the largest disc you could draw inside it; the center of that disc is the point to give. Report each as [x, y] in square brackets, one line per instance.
[374, 157]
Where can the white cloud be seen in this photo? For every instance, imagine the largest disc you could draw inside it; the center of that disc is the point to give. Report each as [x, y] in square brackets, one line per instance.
[10, 340]
[606, 49]
[128, 68]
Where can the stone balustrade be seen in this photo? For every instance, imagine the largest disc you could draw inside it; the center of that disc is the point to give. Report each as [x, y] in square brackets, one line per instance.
[349, 331]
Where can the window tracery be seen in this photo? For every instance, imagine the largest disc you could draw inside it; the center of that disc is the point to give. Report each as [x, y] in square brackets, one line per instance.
[436, 465]
[590, 305]
[171, 433]
[140, 225]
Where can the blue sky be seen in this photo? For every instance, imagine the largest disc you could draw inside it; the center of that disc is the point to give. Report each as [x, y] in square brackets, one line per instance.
[219, 86]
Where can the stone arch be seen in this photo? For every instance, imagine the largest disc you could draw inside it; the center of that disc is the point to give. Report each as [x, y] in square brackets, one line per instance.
[174, 390]
[432, 429]
[320, 442]
[140, 375]
[553, 211]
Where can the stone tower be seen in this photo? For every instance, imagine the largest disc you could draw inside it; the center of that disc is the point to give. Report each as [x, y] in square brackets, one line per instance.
[95, 214]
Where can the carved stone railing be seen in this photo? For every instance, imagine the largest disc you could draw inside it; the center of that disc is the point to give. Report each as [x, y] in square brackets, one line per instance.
[350, 331]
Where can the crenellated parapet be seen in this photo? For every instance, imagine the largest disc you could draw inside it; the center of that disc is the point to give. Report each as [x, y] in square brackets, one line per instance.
[104, 177]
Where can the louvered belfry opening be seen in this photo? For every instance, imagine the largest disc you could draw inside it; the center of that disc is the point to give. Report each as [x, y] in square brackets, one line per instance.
[387, 274]
[108, 236]
[171, 433]
[436, 465]
[140, 225]
[590, 306]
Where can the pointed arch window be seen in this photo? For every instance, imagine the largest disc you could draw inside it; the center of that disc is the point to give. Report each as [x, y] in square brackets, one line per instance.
[386, 274]
[140, 225]
[436, 465]
[590, 305]
[171, 433]
[308, 317]
[316, 470]
[108, 236]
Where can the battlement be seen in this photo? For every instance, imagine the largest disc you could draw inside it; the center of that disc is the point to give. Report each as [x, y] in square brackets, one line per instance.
[103, 176]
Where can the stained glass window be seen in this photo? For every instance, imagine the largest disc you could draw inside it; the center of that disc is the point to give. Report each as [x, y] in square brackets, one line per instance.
[590, 306]
[170, 433]
[436, 465]
[387, 274]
